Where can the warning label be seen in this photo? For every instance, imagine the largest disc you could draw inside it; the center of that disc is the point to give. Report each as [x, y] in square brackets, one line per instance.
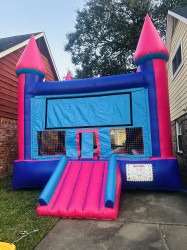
[139, 172]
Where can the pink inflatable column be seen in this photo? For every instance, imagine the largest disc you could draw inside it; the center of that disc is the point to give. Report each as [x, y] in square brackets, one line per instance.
[151, 48]
[30, 62]
[21, 87]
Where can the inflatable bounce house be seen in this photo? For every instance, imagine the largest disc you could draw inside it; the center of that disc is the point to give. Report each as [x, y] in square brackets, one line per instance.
[83, 140]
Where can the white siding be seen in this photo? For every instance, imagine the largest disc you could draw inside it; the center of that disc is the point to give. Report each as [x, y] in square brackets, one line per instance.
[178, 84]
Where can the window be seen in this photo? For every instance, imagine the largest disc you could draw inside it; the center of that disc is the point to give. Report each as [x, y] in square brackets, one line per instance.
[179, 137]
[51, 142]
[177, 60]
[127, 141]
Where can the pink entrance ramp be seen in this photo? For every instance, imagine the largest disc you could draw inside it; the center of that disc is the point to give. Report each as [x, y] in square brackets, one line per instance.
[81, 192]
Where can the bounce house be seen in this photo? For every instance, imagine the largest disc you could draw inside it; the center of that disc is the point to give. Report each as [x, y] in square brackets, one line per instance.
[84, 140]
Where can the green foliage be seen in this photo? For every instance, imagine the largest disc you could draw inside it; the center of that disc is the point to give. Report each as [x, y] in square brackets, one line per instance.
[18, 213]
[107, 31]
[160, 13]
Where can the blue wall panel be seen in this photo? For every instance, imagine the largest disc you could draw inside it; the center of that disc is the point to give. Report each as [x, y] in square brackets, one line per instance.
[89, 111]
[139, 118]
[87, 145]
[71, 147]
[165, 175]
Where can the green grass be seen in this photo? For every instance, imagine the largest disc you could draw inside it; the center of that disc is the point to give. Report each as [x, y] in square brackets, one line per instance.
[18, 213]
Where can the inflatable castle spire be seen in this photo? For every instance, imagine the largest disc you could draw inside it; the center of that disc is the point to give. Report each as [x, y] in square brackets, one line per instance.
[30, 68]
[150, 44]
[31, 60]
[68, 76]
[151, 55]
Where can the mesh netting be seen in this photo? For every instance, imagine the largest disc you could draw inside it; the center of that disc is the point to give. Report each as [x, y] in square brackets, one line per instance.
[51, 142]
[127, 141]
[123, 141]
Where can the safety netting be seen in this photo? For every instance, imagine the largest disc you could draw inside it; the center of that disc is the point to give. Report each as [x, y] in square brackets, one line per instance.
[127, 141]
[51, 142]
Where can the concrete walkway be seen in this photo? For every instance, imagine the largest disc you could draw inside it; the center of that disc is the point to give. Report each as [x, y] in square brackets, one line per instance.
[147, 220]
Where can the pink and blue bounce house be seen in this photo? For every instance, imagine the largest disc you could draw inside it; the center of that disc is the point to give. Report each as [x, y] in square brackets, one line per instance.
[84, 140]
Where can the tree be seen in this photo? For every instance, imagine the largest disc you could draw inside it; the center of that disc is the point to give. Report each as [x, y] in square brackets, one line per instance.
[107, 31]
[160, 13]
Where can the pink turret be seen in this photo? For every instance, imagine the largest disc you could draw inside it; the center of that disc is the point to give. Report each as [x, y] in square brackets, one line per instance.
[150, 44]
[30, 63]
[151, 54]
[31, 60]
[68, 76]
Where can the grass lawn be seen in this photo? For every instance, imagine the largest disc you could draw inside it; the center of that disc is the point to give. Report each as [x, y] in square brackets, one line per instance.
[18, 213]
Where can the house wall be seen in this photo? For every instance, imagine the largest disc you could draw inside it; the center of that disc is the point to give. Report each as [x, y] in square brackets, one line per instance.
[178, 84]
[8, 108]
[178, 93]
[8, 145]
[181, 157]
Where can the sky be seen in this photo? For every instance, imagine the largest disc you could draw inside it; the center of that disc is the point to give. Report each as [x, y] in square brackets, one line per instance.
[54, 17]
